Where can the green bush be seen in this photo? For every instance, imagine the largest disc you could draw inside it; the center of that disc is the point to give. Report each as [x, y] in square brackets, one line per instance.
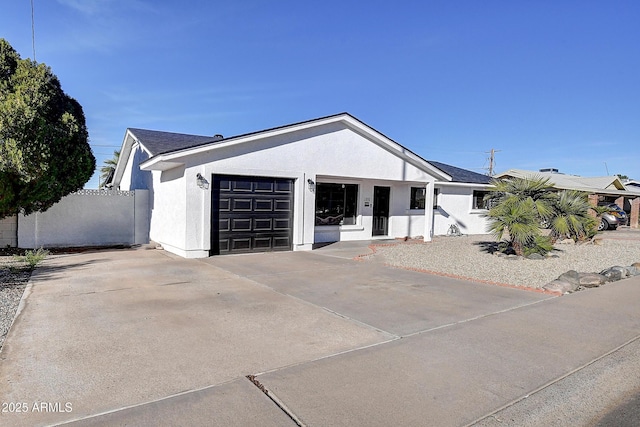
[541, 245]
[32, 258]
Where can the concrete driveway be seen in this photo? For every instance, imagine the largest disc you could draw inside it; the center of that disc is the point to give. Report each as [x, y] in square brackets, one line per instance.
[141, 337]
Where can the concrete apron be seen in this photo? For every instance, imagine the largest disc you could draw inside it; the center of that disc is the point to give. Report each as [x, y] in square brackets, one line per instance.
[143, 338]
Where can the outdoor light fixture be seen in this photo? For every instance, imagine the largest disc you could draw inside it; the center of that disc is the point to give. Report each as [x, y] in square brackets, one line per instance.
[311, 184]
[202, 183]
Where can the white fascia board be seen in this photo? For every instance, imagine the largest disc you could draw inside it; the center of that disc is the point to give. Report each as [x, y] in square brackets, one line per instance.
[463, 184]
[125, 151]
[170, 160]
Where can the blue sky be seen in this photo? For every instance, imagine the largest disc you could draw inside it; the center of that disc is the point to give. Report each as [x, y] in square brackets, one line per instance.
[547, 83]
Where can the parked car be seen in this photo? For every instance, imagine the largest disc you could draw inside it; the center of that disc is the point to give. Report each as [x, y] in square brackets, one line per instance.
[612, 219]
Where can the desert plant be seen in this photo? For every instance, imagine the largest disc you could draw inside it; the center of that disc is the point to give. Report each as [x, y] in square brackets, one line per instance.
[518, 221]
[541, 245]
[516, 190]
[32, 258]
[518, 208]
[571, 217]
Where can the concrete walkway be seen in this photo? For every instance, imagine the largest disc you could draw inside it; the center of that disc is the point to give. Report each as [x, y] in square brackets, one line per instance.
[141, 337]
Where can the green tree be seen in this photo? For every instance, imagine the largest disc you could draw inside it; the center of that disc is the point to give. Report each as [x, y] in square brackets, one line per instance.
[108, 168]
[44, 150]
[518, 207]
[571, 217]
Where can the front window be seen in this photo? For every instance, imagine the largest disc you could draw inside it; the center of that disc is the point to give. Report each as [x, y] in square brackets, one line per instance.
[478, 200]
[336, 204]
[417, 197]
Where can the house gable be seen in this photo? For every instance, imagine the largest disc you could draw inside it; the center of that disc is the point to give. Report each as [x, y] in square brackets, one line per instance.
[276, 137]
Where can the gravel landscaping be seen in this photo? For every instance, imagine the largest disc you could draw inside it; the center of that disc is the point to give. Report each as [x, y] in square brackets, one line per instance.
[468, 257]
[13, 281]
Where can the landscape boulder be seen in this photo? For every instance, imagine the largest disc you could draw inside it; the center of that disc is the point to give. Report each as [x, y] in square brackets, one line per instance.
[633, 270]
[570, 276]
[592, 280]
[561, 286]
[614, 273]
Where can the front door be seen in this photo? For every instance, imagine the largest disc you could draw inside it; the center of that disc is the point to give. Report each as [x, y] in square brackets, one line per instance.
[380, 211]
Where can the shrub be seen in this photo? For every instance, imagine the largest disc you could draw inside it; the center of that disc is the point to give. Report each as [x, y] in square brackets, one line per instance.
[32, 258]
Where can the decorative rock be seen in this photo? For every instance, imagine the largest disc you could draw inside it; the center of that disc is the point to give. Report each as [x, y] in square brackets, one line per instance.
[592, 280]
[612, 274]
[633, 271]
[535, 256]
[560, 286]
[636, 264]
[570, 276]
[623, 270]
[566, 242]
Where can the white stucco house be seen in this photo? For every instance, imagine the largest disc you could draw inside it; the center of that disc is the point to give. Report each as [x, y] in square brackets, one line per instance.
[288, 188]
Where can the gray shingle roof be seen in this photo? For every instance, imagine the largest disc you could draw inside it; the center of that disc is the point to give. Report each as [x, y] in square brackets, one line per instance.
[158, 142]
[462, 175]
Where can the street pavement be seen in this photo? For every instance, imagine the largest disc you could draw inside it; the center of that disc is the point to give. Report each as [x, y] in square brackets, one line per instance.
[142, 337]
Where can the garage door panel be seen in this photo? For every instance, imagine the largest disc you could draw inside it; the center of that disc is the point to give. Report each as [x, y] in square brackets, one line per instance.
[241, 205]
[224, 204]
[283, 242]
[264, 187]
[282, 205]
[240, 244]
[224, 224]
[241, 224]
[281, 224]
[241, 185]
[263, 224]
[264, 205]
[284, 187]
[251, 214]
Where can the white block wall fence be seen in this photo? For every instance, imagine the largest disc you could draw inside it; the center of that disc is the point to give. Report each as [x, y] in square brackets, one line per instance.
[89, 218]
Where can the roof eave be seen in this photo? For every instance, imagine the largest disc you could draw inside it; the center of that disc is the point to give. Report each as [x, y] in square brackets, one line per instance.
[171, 160]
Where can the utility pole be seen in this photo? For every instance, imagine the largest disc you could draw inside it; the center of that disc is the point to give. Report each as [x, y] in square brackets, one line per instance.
[492, 160]
[33, 33]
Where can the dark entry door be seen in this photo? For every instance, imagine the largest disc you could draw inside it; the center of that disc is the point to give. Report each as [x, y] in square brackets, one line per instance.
[380, 211]
[251, 214]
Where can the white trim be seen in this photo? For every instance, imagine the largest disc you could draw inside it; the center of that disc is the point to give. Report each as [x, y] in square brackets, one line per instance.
[170, 160]
[462, 184]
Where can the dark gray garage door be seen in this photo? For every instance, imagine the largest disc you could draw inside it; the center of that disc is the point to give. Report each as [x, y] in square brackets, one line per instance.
[251, 214]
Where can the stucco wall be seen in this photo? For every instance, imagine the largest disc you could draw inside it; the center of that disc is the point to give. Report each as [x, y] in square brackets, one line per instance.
[88, 218]
[331, 153]
[9, 231]
[455, 205]
[133, 178]
[181, 211]
[168, 210]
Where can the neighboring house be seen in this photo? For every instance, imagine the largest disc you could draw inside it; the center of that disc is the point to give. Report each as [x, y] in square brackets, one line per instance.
[287, 188]
[460, 201]
[609, 189]
[632, 185]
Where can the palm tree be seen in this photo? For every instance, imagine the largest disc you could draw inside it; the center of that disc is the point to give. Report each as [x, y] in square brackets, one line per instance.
[517, 220]
[107, 170]
[518, 206]
[571, 217]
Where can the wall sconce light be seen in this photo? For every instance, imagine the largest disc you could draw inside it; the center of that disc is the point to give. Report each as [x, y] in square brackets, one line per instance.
[311, 184]
[202, 182]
